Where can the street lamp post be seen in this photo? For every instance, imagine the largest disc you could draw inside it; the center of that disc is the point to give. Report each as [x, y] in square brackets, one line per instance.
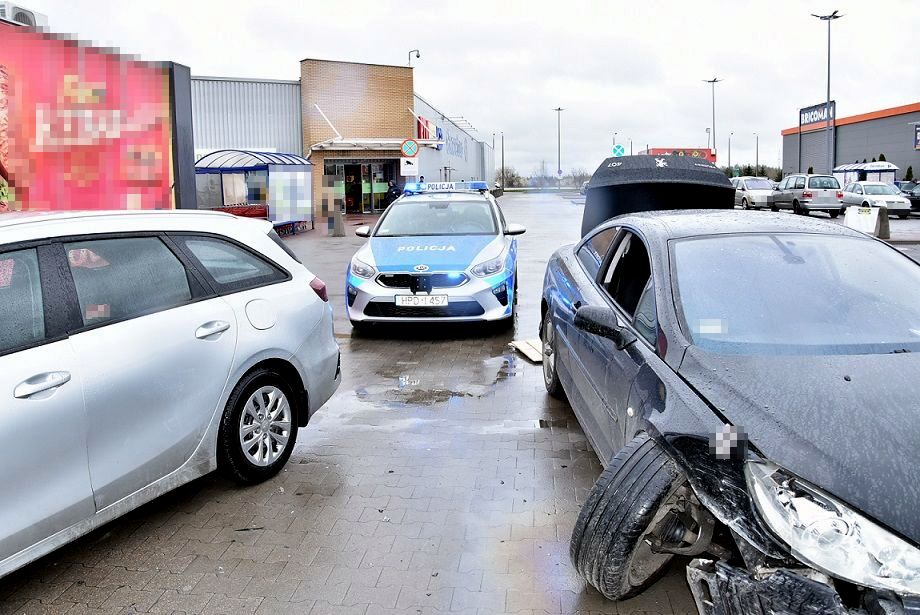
[630, 146]
[827, 109]
[756, 154]
[730, 149]
[503, 160]
[614, 139]
[417, 55]
[558, 111]
[713, 82]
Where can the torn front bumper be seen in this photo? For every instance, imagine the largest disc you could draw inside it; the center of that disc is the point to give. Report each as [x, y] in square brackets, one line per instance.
[720, 589]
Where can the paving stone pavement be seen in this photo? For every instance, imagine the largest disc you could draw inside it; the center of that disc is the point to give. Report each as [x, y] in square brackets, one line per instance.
[439, 479]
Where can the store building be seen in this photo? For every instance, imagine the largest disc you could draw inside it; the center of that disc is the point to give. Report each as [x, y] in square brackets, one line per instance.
[892, 132]
[349, 119]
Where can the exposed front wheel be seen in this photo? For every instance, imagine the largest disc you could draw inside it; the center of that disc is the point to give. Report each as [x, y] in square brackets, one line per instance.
[624, 515]
[258, 428]
[834, 213]
[550, 375]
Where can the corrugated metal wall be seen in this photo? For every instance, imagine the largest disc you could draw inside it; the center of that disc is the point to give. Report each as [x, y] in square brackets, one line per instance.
[246, 114]
[892, 136]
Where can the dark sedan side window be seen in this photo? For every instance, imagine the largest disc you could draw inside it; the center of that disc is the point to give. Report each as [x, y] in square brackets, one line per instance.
[593, 251]
[628, 281]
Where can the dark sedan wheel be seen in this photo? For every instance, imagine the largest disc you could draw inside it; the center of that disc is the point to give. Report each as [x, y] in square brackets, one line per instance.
[258, 429]
[610, 544]
[550, 375]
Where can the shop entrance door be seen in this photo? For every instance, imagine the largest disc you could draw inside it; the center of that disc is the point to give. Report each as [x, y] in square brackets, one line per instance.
[353, 189]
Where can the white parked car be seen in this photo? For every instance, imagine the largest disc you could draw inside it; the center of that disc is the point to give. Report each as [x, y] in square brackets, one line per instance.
[141, 350]
[876, 194]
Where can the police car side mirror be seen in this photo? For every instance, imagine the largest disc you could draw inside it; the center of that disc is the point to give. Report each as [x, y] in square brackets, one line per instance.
[363, 231]
[515, 229]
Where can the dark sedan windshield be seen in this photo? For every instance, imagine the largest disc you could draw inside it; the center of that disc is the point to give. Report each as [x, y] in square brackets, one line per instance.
[797, 294]
[417, 217]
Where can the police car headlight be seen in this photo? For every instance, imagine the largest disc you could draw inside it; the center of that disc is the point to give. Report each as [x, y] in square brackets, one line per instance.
[489, 267]
[362, 269]
[827, 535]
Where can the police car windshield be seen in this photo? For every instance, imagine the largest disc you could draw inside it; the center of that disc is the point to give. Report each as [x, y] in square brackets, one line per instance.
[419, 217]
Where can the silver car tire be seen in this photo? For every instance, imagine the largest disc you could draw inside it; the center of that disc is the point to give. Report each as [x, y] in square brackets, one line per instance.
[550, 374]
[259, 427]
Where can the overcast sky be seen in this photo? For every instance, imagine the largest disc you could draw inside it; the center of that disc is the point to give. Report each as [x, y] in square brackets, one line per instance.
[634, 68]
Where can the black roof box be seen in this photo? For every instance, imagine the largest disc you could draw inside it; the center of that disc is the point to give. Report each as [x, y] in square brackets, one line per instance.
[630, 184]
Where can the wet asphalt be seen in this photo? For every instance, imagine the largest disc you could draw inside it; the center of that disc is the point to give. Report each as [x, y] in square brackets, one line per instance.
[439, 478]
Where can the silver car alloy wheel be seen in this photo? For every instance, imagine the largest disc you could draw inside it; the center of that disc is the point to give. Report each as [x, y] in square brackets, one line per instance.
[549, 353]
[265, 425]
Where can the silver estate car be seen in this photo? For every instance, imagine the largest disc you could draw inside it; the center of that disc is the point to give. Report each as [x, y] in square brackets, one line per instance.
[753, 192]
[876, 194]
[141, 350]
[804, 193]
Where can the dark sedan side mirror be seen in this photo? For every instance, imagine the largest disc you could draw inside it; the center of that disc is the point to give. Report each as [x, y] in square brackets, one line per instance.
[603, 322]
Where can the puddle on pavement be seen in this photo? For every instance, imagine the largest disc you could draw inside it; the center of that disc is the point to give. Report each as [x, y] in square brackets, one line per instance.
[406, 383]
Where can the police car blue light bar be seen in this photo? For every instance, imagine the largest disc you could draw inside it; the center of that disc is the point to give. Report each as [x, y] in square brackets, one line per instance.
[418, 187]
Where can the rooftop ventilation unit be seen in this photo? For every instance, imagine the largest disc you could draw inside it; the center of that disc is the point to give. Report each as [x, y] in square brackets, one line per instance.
[22, 16]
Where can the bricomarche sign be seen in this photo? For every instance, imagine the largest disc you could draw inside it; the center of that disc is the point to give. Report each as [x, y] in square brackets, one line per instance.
[817, 114]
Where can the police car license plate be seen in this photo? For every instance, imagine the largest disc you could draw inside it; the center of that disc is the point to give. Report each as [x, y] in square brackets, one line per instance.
[421, 300]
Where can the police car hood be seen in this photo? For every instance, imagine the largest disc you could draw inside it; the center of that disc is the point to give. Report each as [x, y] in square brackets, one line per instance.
[437, 252]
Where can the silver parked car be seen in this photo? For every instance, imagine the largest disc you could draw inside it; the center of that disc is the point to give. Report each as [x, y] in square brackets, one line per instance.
[876, 194]
[804, 193]
[753, 192]
[141, 350]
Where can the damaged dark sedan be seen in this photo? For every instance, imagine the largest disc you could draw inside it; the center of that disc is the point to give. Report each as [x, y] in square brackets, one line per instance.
[750, 383]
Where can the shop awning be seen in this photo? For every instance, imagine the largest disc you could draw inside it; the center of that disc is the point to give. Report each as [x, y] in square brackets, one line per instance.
[866, 166]
[236, 160]
[377, 144]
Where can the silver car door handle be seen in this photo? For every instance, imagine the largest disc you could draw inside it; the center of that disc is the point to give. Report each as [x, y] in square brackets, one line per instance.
[211, 328]
[39, 383]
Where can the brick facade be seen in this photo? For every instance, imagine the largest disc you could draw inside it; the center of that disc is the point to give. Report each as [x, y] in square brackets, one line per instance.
[361, 101]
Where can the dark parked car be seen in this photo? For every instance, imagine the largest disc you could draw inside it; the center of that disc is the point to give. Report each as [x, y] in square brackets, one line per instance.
[751, 408]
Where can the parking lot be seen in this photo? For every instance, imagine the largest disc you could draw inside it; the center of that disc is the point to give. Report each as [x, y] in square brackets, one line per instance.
[440, 478]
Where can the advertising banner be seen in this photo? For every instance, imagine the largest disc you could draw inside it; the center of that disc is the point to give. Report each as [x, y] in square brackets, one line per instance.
[691, 152]
[917, 136]
[82, 128]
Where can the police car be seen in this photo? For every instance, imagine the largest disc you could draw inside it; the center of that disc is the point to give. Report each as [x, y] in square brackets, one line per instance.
[440, 252]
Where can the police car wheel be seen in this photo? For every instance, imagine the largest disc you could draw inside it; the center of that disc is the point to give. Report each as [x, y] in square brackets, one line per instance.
[360, 326]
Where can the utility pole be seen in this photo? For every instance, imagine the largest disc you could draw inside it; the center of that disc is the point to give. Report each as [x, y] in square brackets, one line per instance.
[827, 109]
[558, 111]
[713, 82]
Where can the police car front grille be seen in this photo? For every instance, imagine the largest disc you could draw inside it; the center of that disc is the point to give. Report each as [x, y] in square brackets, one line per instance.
[381, 309]
[438, 280]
